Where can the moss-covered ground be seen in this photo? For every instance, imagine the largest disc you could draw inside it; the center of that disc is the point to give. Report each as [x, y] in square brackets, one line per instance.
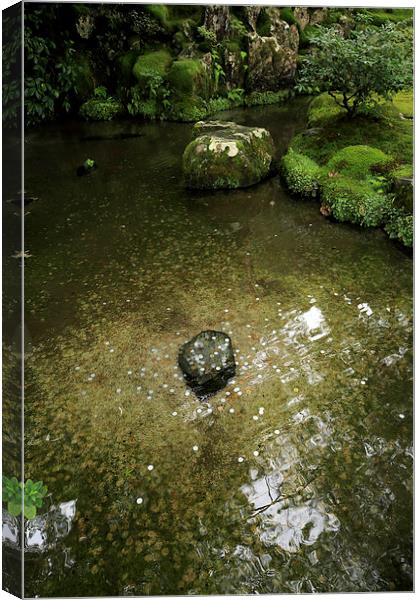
[355, 163]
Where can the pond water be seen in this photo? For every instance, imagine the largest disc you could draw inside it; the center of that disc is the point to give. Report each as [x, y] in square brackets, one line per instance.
[297, 477]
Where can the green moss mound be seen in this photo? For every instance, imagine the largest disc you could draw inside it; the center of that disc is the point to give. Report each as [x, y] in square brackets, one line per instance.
[188, 77]
[228, 156]
[322, 110]
[101, 110]
[359, 162]
[150, 65]
[301, 174]
[386, 131]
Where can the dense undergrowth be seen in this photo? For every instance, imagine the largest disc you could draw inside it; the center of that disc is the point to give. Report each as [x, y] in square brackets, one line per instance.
[354, 165]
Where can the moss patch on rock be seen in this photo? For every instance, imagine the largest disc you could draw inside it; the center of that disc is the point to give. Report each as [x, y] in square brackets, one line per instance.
[189, 77]
[227, 156]
[151, 64]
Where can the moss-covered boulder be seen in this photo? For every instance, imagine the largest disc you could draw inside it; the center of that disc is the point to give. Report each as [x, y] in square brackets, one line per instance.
[227, 155]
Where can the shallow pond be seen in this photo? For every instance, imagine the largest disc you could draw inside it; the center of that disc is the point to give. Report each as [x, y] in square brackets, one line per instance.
[297, 477]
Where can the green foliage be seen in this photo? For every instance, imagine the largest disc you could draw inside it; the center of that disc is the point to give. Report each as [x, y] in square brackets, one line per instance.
[301, 174]
[387, 132]
[152, 65]
[354, 201]
[400, 226]
[97, 109]
[100, 92]
[33, 496]
[378, 17]
[187, 76]
[11, 93]
[189, 109]
[268, 97]
[354, 71]
[402, 171]
[238, 27]
[236, 96]
[287, 15]
[218, 72]
[220, 103]
[12, 494]
[307, 35]
[208, 36]
[358, 162]
[264, 23]
[51, 70]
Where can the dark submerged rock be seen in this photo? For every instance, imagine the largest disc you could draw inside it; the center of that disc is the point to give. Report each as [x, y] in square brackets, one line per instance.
[207, 362]
[88, 166]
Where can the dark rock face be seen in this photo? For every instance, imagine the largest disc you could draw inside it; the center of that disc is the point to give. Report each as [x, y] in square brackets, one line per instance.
[217, 19]
[207, 362]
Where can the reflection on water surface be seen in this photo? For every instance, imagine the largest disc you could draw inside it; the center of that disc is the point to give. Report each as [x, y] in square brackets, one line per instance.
[294, 478]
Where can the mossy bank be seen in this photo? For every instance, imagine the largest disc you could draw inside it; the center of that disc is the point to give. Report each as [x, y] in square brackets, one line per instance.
[360, 169]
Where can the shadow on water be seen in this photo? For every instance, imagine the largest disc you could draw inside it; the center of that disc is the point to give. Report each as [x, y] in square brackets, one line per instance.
[294, 478]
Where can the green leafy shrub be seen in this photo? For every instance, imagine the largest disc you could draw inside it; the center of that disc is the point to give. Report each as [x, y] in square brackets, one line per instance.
[307, 35]
[97, 109]
[380, 17]
[33, 496]
[301, 174]
[236, 96]
[268, 97]
[400, 226]
[11, 90]
[357, 69]
[218, 104]
[354, 201]
[208, 36]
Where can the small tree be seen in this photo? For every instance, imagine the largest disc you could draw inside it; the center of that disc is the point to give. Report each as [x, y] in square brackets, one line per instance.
[355, 71]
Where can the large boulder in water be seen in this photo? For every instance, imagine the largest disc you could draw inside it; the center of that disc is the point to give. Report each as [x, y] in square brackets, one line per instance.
[225, 155]
[207, 362]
